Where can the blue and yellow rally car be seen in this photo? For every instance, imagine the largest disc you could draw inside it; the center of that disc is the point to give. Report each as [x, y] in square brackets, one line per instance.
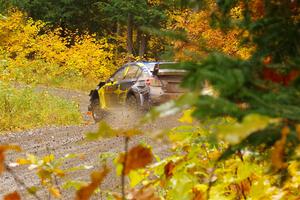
[138, 85]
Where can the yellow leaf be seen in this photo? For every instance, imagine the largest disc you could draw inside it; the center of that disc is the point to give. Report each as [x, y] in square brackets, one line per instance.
[104, 130]
[293, 168]
[44, 175]
[131, 132]
[55, 192]
[48, 158]
[235, 132]
[59, 172]
[187, 116]
[23, 161]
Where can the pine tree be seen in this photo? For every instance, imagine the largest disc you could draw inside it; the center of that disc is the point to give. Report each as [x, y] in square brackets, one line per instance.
[267, 83]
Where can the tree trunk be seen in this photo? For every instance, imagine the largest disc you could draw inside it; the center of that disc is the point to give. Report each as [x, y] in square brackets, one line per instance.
[143, 45]
[118, 33]
[130, 34]
[138, 39]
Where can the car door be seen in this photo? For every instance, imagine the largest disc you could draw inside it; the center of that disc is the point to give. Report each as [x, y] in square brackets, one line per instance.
[112, 87]
[132, 73]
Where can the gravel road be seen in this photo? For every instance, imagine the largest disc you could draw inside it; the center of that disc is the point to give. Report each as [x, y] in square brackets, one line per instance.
[69, 139]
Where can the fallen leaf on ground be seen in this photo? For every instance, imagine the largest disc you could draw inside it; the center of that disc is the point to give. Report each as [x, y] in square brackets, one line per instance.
[4, 148]
[55, 192]
[12, 196]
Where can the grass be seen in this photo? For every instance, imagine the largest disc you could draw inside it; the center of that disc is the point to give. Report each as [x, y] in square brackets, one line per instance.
[22, 109]
[78, 83]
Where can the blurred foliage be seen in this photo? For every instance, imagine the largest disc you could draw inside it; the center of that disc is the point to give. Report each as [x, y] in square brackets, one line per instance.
[244, 79]
[258, 89]
[201, 38]
[267, 82]
[208, 161]
[195, 171]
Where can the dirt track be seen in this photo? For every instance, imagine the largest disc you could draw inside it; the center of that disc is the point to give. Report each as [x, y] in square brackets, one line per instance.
[69, 139]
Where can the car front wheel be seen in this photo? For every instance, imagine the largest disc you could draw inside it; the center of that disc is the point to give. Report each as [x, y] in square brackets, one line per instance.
[98, 114]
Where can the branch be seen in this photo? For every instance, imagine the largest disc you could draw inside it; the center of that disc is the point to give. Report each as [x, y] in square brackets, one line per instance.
[124, 167]
[210, 183]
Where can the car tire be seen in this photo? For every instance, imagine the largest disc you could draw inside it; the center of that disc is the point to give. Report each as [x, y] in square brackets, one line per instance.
[132, 102]
[134, 109]
[98, 114]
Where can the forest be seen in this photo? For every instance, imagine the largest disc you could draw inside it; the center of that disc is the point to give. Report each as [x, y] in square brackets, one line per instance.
[233, 134]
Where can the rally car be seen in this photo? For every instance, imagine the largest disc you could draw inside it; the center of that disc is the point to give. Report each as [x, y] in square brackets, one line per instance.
[138, 85]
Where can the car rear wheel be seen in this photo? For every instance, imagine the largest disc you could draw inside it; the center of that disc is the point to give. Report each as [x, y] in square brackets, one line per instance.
[132, 102]
[133, 108]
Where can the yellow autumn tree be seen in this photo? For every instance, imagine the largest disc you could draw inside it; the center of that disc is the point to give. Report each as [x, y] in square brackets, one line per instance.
[201, 37]
[32, 52]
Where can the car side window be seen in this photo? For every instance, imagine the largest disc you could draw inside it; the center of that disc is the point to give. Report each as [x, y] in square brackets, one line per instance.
[133, 71]
[120, 75]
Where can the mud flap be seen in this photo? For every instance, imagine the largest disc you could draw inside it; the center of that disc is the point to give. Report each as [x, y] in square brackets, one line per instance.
[93, 97]
[102, 101]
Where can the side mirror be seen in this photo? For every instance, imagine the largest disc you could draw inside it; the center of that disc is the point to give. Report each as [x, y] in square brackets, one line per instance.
[100, 85]
[111, 80]
[155, 70]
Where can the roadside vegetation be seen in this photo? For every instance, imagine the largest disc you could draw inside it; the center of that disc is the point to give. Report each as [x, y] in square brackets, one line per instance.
[245, 144]
[32, 53]
[26, 109]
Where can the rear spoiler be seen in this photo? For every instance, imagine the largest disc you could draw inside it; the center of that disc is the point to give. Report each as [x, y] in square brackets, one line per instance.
[174, 72]
[157, 71]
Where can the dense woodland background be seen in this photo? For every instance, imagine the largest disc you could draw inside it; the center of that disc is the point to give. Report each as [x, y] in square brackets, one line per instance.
[245, 142]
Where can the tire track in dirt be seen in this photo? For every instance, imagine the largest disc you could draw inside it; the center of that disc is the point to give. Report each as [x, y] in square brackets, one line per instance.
[68, 140]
